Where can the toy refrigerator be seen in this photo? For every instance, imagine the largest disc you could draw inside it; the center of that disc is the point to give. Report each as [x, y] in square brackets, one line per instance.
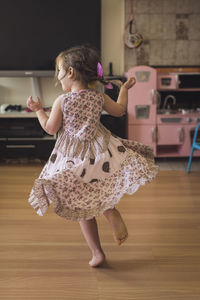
[142, 106]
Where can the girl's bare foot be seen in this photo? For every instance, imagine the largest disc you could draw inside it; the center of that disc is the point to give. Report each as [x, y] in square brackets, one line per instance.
[118, 226]
[90, 232]
[97, 259]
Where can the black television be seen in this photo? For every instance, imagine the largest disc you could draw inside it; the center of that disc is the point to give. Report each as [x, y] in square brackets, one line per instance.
[34, 32]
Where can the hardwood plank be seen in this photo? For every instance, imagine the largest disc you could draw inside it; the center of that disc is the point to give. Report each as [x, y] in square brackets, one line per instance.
[47, 257]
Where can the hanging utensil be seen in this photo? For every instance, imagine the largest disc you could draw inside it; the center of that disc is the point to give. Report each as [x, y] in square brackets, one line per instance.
[132, 39]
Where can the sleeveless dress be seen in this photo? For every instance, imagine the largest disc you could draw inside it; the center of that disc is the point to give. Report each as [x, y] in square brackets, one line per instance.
[89, 169]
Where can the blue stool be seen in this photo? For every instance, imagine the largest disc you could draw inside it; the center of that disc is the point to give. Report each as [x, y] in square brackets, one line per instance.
[195, 145]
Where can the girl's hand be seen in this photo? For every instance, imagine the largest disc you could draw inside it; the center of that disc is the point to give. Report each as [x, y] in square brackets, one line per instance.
[34, 106]
[129, 83]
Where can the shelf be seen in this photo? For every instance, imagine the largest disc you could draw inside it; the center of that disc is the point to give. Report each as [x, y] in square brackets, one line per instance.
[18, 115]
[44, 138]
[27, 73]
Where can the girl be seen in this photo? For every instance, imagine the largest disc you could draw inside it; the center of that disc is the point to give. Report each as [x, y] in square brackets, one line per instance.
[89, 169]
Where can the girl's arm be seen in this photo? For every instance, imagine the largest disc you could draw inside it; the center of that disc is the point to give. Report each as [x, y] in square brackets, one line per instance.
[52, 123]
[118, 109]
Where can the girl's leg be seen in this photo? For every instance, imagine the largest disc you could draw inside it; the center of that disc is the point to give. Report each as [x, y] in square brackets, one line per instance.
[90, 231]
[117, 224]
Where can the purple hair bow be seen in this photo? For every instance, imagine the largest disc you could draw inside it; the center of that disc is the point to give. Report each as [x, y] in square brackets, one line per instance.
[100, 75]
[99, 70]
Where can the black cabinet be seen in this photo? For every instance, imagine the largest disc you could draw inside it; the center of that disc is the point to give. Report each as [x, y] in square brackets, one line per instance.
[24, 137]
[13, 148]
[116, 125]
[20, 127]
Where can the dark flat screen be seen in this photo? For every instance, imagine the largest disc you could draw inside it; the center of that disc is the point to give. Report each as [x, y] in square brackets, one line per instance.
[34, 32]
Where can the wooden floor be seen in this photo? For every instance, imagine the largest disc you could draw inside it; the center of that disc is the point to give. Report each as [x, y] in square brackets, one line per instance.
[47, 257]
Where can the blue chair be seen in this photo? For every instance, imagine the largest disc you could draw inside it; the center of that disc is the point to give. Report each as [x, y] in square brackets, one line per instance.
[195, 146]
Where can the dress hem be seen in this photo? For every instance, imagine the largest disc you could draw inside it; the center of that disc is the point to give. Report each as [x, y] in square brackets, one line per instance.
[108, 191]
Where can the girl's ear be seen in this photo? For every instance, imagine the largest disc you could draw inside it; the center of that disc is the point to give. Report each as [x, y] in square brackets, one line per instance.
[70, 72]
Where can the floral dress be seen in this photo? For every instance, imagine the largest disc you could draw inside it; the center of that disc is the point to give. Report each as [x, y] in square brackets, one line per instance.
[89, 169]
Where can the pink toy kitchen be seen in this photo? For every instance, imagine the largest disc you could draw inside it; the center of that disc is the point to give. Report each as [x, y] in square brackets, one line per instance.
[164, 109]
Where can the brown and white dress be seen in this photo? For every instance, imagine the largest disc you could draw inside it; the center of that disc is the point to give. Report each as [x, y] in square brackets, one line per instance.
[89, 169]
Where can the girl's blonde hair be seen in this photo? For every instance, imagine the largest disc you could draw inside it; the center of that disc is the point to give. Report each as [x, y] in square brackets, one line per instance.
[84, 60]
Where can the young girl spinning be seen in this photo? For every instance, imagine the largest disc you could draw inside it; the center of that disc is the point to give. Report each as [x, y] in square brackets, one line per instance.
[89, 169]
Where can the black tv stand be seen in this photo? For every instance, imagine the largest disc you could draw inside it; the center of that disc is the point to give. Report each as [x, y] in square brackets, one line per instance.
[21, 136]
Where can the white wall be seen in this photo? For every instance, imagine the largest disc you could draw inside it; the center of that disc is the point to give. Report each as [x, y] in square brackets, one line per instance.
[112, 28]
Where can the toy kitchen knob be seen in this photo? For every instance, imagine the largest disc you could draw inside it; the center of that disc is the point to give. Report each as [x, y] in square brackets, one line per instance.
[197, 120]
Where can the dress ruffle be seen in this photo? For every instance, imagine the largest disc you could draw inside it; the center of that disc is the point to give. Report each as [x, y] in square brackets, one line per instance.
[76, 200]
